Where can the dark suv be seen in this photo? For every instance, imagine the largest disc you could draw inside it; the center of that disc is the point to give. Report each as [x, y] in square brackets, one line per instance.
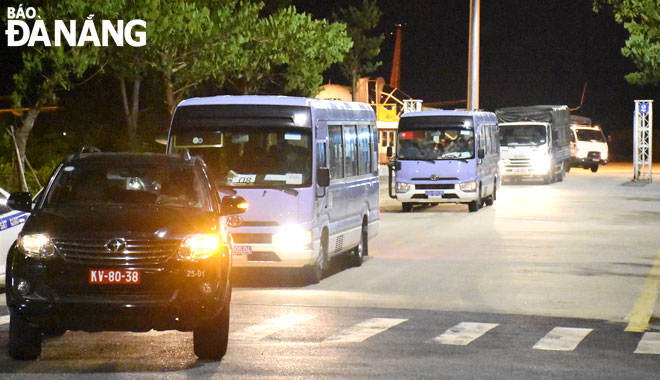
[122, 242]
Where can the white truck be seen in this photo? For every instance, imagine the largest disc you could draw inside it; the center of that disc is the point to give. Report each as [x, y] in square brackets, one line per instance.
[534, 142]
[588, 144]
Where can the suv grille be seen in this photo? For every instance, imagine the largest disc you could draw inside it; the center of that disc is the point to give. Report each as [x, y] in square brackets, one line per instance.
[138, 252]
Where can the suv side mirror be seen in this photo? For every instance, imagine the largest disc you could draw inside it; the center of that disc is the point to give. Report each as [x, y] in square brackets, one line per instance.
[481, 154]
[323, 177]
[233, 204]
[389, 151]
[20, 201]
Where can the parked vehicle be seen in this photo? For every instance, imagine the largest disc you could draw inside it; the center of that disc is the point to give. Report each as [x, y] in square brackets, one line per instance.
[446, 157]
[535, 142]
[308, 168]
[588, 144]
[11, 223]
[122, 241]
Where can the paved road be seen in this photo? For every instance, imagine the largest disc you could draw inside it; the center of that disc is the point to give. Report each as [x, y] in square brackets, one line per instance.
[582, 248]
[273, 342]
[542, 285]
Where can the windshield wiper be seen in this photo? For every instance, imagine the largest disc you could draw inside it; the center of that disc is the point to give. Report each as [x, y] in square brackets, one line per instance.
[287, 190]
[418, 159]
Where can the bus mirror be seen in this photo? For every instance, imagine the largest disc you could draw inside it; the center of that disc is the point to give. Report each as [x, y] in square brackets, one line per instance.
[481, 154]
[323, 177]
[394, 165]
[389, 151]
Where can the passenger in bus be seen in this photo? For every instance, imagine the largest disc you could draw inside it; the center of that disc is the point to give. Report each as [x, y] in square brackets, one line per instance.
[408, 149]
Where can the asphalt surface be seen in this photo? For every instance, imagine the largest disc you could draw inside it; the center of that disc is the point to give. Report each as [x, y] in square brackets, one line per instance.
[542, 285]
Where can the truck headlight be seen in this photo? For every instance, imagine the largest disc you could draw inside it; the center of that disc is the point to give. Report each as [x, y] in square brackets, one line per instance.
[292, 238]
[402, 187]
[542, 164]
[36, 245]
[468, 186]
[199, 247]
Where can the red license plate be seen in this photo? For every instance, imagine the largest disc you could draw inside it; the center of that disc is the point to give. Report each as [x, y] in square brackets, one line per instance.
[114, 276]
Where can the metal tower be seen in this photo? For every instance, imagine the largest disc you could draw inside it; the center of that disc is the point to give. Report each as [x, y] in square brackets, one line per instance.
[643, 140]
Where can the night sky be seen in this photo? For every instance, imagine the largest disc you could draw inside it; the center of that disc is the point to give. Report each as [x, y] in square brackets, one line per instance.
[532, 52]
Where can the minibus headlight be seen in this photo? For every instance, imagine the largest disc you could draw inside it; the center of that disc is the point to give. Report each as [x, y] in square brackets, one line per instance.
[36, 245]
[290, 238]
[468, 186]
[402, 187]
[199, 247]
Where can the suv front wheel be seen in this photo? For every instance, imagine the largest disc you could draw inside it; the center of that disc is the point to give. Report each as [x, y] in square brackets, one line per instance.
[210, 342]
[24, 339]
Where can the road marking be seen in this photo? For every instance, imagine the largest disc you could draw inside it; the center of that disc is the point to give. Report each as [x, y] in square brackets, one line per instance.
[4, 319]
[464, 333]
[650, 344]
[639, 319]
[562, 339]
[270, 326]
[364, 330]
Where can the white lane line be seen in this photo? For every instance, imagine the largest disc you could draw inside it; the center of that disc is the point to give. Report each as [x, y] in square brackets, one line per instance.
[562, 339]
[464, 333]
[650, 344]
[364, 330]
[4, 319]
[270, 326]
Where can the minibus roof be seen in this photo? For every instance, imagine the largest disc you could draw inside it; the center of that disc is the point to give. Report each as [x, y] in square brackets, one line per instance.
[274, 100]
[477, 116]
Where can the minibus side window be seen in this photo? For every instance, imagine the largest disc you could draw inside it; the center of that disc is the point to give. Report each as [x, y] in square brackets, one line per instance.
[364, 157]
[336, 152]
[350, 151]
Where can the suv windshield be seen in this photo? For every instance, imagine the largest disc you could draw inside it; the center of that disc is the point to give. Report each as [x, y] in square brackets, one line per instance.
[589, 135]
[436, 144]
[115, 184]
[252, 157]
[522, 135]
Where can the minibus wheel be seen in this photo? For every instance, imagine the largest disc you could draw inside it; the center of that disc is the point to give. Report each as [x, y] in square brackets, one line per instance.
[313, 274]
[406, 206]
[594, 168]
[358, 253]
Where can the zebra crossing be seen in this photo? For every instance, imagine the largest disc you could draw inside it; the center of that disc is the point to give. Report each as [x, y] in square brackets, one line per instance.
[565, 339]
[464, 333]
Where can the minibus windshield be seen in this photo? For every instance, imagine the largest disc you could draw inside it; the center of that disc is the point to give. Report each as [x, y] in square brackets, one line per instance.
[529, 134]
[436, 144]
[252, 157]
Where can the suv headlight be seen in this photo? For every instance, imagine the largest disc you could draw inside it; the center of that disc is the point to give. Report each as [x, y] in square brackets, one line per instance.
[199, 247]
[36, 245]
[292, 238]
[468, 186]
[402, 187]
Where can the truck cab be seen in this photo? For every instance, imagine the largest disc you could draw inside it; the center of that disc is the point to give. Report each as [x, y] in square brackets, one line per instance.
[526, 152]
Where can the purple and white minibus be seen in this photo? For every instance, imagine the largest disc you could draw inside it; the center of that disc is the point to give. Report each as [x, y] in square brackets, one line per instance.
[446, 157]
[307, 167]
